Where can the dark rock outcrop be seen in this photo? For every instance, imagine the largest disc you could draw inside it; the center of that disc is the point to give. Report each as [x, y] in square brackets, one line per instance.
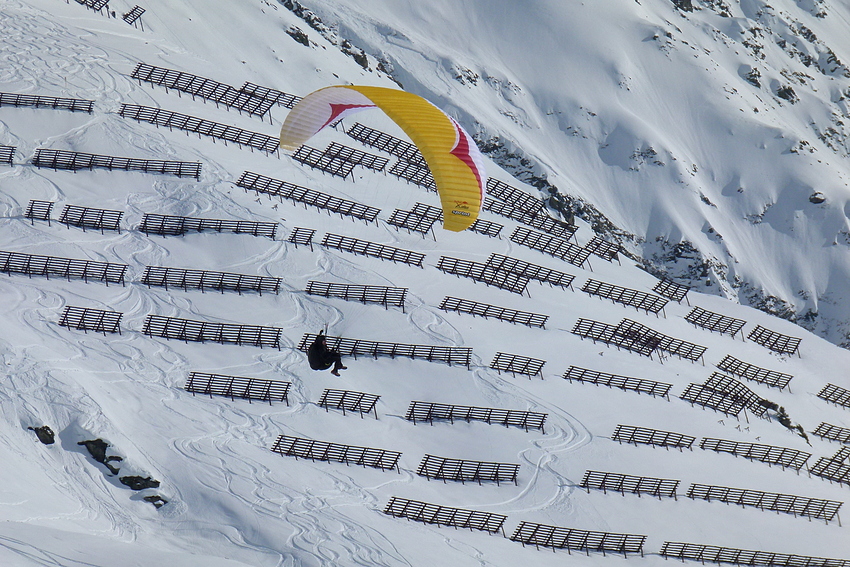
[138, 482]
[97, 449]
[44, 434]
[157, 501]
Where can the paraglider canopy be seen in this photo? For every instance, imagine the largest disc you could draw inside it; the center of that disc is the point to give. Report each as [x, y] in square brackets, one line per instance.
[451, 154]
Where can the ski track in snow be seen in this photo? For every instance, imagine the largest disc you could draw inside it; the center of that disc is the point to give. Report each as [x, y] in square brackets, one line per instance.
[320, 528]
[565, 434]
[92, 485]
[317, 521]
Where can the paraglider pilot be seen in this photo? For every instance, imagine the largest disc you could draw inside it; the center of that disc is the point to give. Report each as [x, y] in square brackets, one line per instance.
[322, 358]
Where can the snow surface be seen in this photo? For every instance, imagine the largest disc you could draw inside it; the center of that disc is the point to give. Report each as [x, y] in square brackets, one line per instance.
[231, 501]
[646, 112]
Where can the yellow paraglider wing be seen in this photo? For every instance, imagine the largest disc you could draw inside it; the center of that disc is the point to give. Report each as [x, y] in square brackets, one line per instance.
[451, 154]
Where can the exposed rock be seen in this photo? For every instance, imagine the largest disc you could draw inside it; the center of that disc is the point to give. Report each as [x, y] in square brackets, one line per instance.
[157, 501]
[295, 33]
[787, 93]
[305, 14]
[329, 33]
[817, 198]
[97, 449]
[718, 6]
[139, 483]
[758, 299]
[754, 77]
[44, 434]
[355, 53]
[465, 76]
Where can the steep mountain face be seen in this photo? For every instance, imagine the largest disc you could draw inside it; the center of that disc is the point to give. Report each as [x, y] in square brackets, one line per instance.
[708, 137]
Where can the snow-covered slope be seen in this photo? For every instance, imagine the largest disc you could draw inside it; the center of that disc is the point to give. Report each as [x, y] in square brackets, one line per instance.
[231, 501]
[703, 132]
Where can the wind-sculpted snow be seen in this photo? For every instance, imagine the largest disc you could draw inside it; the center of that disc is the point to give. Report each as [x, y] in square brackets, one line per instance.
[59, 59]
[680, 122]
[564, 435]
